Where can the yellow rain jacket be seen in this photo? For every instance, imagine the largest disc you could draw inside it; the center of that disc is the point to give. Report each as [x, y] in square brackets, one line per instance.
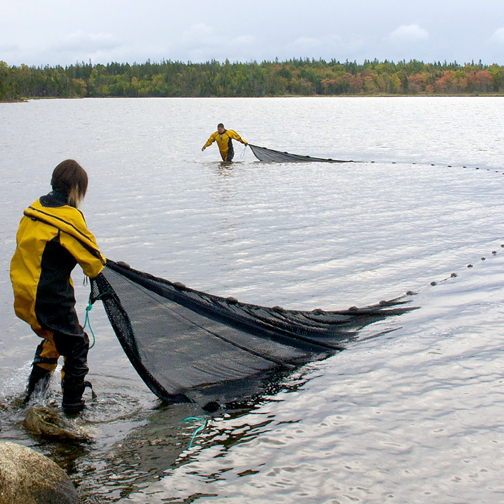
[52, 238]
[224, 142]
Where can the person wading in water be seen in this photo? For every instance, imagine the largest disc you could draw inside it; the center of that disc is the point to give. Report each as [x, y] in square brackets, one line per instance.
[224, 138]
[52, 238]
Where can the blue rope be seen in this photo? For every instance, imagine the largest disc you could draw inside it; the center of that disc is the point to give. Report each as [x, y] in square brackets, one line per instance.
[201, 427]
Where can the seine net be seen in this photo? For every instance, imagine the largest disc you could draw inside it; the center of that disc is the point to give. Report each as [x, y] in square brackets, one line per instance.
[192, 346]
[273, 156]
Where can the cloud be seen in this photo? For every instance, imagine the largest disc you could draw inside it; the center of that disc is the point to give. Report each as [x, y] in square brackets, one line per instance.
[81, 41]
[313, 46]
[8, 48]
[243, 40]
[203, 42]
[498, 36]
[305, 44]
[408, 34]
[61, 32]
[200, 32]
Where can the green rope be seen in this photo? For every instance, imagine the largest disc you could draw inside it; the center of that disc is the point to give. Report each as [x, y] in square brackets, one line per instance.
[201, 427]
[87, 322]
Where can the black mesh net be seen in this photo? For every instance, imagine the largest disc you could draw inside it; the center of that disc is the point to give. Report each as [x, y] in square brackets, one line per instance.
[273, 156]
[192, 346]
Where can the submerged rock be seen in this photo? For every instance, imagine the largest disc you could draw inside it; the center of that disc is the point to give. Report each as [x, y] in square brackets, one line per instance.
[47, 422]
[27, 477]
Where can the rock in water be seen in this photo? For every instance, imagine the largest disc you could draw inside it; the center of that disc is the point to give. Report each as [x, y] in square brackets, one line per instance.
[47, 422]
[27, 477]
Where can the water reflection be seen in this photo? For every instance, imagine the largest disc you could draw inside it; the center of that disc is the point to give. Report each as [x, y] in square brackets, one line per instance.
[300, 237]
[138, 439]
[160, 443]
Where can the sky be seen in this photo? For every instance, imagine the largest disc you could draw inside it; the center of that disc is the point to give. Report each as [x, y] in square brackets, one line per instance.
[63, 32]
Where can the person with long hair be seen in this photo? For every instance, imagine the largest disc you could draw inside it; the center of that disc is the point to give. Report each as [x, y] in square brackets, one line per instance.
[51, 240]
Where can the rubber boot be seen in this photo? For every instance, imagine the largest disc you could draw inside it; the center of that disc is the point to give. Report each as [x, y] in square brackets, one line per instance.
[72, 395]
[38, 380]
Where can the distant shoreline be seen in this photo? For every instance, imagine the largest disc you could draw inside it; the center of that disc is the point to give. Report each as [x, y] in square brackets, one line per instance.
[293, 78]
[453, 95]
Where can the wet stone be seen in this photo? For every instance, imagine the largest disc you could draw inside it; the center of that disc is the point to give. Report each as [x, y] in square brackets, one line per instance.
[47, 422]
[28, 477]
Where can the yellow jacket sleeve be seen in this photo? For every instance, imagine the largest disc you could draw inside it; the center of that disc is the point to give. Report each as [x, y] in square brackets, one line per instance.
[211, 140]
[232, 134]
[90, 259]
[74, 235]
[83, 247]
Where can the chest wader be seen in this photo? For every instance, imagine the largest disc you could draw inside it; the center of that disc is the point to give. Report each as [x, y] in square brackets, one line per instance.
[53, 238]
[74, 350]
[230, 152]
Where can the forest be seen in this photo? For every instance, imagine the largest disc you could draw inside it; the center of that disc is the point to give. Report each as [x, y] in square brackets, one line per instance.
[296, 77]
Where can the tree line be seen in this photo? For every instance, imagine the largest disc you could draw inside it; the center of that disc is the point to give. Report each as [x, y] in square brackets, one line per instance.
[296, 77]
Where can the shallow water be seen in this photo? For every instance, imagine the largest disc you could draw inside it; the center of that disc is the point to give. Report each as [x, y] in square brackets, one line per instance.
[412, 415]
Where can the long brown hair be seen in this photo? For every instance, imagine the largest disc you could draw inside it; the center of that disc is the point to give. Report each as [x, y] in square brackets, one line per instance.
[71, 180]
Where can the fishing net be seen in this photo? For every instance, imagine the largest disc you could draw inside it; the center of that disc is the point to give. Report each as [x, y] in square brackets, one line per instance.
[191, 346]
[273, 156]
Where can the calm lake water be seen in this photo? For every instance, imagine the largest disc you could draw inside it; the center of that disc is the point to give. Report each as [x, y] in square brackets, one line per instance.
[411, 412]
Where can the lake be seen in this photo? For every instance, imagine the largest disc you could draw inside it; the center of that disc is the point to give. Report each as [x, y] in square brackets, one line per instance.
[409, 412]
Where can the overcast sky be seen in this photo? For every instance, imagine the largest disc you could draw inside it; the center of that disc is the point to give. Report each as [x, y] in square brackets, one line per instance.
[63, 32]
